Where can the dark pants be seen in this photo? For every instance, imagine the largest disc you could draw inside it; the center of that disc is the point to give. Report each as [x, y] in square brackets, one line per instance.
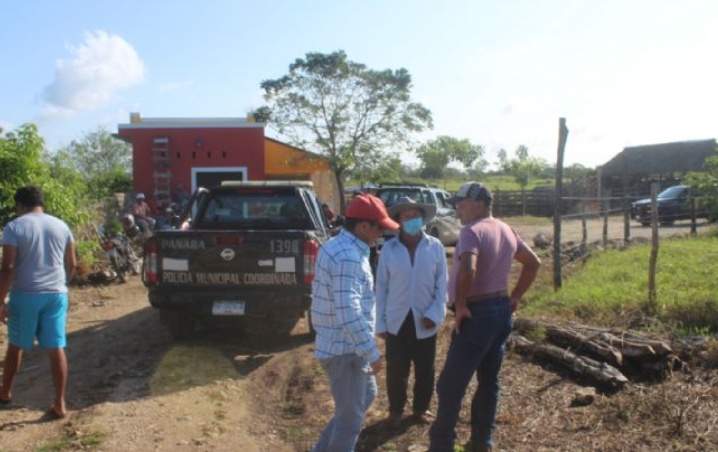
[401, 351]
[477, 350]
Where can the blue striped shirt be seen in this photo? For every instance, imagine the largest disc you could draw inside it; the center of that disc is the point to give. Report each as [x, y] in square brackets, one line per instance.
[343, 302]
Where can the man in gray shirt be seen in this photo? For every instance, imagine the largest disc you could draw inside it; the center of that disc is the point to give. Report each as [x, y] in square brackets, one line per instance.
[38, 261]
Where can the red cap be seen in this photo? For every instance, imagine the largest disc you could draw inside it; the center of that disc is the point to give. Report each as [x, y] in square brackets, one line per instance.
[370, 208]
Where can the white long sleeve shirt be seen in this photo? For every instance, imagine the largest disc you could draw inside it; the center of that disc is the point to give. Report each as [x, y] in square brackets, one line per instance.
[401, 286]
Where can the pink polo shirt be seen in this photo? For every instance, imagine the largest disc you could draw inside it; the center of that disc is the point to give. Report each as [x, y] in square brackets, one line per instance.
[495, 243]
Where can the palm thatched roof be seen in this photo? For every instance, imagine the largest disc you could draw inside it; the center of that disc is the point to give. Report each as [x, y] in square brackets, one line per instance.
[681, 156]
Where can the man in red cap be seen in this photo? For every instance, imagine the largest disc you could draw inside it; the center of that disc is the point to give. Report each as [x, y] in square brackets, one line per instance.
[343, 314]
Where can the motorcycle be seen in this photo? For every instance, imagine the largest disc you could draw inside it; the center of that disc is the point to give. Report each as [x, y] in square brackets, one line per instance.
[120, 252]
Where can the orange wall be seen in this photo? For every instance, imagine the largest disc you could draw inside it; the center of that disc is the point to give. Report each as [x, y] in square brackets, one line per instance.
[285, 160]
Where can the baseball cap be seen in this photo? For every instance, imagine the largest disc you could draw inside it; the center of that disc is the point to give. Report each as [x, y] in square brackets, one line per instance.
[370, 208]
[140, 196]
[475, 191]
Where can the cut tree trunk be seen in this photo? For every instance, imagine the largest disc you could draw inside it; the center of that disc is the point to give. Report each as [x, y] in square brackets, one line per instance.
[599, 373]
[626, 352]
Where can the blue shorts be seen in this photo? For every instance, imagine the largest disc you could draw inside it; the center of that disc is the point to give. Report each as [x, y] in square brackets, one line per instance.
[41, 315]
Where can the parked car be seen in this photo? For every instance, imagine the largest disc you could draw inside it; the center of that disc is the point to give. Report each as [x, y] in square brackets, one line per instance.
[445, 226]
[674, 203]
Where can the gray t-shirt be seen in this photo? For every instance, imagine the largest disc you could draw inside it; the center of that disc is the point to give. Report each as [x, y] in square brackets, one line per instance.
[41, 241]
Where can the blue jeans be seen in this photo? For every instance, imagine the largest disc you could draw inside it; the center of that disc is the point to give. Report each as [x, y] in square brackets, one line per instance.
[477, 349]
[353, 391]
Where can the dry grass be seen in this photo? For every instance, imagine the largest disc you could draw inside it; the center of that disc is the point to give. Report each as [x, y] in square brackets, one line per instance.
[535, 412]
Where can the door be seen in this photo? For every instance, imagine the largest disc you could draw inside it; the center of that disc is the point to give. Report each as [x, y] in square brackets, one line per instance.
[212, 177]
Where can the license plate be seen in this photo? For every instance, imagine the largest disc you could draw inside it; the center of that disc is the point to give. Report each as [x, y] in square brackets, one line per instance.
[221, 307]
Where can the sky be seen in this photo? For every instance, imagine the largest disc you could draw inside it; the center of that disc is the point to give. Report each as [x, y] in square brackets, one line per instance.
[498, 73]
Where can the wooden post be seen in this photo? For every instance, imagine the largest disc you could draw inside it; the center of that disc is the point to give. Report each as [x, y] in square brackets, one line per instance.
[606, 206]
[626, 205]
[694, 229]
[652, 302]
[562, 137]
[584, 235]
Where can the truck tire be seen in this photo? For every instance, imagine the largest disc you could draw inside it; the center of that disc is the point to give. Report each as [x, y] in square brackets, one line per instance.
[179, 323]
[310, 324]
[434, 232]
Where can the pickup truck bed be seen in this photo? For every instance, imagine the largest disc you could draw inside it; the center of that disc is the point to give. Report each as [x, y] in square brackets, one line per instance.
[238, 264]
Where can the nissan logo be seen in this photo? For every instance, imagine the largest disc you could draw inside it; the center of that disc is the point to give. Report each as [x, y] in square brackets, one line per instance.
[227, 254]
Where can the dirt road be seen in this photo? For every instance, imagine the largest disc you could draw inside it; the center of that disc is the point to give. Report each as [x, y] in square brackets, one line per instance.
[131, 388]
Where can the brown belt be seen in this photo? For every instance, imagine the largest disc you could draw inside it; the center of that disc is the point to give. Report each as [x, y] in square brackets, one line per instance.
[486, 296]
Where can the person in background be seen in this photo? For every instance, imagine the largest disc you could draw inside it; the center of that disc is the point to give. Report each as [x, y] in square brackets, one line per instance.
[411, 305]
[328, 213]
[478, 292]
[143, 214]
[180, 195]
[343, 313]
[38, 262]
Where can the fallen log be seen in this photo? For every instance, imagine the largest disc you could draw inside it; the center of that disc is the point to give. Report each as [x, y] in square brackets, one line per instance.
[599, 373]
[661, 348]
[635, 355]
[575, 341]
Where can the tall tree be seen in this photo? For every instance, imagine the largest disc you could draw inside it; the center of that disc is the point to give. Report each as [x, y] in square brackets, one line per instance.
[523, 167]
[437, 154]
[21, 164]
[343, 110]
[105, 161]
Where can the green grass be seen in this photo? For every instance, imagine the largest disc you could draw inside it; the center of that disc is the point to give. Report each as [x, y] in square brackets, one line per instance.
[612, 287]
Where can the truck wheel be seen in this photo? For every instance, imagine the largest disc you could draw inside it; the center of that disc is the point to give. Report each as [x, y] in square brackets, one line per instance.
[434, 232]
[310, 324]
[180, 324]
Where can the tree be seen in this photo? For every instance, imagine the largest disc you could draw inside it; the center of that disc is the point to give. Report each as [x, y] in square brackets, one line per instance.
[387, 169]
[347, 112]
[105, 161]
[707, 185]
[21, 164]
[523, 167]
[437, 154]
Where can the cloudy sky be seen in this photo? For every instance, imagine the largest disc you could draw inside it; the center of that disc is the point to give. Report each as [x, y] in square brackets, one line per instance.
[501, 74]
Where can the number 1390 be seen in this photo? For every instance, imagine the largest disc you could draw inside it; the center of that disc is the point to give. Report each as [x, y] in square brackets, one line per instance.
[280, 246]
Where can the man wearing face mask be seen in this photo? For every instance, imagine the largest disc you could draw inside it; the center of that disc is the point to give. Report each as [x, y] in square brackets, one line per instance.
[411, 305]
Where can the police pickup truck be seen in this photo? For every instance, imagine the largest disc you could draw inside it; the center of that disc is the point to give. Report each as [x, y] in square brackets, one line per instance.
[242, 253]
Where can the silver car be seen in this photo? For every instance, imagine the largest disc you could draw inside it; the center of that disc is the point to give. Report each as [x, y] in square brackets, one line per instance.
[445, 226]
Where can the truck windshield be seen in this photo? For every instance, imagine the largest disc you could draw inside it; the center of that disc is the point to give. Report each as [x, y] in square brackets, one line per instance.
[673, 192]
[245, 209]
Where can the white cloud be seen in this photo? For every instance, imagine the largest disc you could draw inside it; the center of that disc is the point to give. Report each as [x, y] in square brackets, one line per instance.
[100, 66]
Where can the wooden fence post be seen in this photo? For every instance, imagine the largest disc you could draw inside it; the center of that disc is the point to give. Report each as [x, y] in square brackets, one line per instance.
[652, 302]
[604, 237]
[562, 136]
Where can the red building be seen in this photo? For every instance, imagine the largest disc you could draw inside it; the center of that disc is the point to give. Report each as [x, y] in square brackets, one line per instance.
[186, 153]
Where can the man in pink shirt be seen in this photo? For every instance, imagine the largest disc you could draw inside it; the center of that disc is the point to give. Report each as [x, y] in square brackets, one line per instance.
[478, 294]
